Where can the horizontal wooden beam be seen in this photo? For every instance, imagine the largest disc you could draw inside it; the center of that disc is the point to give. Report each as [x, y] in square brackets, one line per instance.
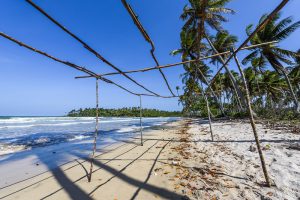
[179, 63]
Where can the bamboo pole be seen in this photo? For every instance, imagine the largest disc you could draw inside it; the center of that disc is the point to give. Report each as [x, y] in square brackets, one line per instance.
[252, 121]
[179, 63]
[96, 132]
[141, 126]
[209, 118]
[147, 38]
[208, 113]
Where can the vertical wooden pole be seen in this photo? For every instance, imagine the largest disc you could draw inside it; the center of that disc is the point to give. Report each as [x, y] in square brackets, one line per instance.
[262, 160]
[141, 126]
[209, 117]
[208, 114]
[96, 132]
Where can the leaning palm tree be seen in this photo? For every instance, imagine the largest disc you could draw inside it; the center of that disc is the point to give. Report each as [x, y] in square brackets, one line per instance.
[275, 30]
[222, 42]
[202, 14]
[187, 52]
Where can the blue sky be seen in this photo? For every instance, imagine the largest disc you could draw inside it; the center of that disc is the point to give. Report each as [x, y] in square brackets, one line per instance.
[31, 84]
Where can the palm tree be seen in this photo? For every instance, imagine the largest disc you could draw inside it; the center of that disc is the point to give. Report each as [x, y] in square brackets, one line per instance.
[186, 51]
[275, 30]
[295, 73]
[222, 42]
[208, 13]
[205, 12]
[272, 86]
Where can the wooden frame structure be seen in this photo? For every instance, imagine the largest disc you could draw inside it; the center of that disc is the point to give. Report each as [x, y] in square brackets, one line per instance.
[91, 74]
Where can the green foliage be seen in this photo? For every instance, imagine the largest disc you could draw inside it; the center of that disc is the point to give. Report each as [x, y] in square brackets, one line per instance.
[272, 73]
[123, 112]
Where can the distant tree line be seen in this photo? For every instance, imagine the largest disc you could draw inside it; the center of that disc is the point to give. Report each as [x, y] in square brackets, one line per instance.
[123, 112]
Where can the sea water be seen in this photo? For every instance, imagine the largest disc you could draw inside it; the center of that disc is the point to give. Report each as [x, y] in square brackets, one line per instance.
[26, 133]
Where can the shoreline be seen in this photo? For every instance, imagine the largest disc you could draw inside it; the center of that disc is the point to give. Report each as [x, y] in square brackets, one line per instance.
[178, 161]
[22, 134]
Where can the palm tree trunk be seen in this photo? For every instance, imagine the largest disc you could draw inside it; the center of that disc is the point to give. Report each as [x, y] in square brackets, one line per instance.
[237, 91]
[262, 160]
[96, 133]
[296, 102]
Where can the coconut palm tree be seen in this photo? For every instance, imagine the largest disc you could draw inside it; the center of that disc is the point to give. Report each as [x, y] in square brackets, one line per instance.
[272, 87]
[275, 30]
[222, 42]
[202, 14]
[295, 73]
[187, 52]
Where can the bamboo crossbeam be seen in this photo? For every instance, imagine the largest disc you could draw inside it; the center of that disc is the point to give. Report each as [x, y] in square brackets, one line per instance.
[148, 39]
[77, 67]
[86, 46]
[179, 63]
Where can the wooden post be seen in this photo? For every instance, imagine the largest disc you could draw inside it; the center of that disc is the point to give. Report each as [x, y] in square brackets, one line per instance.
[209, 117]
[141, 126]
[262, 160]
[96, 132]
[208, 113]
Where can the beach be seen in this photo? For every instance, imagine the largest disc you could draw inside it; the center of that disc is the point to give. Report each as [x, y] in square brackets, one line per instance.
[178, 160]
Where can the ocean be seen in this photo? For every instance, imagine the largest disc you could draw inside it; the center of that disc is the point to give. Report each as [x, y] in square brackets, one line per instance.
[25, 133]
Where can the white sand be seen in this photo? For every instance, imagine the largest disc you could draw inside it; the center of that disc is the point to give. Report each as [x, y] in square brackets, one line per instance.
[179, 162]
[238, 170]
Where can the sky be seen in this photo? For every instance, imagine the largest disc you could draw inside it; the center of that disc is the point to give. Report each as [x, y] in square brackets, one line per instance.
[31, 84]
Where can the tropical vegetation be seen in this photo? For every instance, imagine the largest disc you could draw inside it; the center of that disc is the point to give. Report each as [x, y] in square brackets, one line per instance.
[123, 112]
[272, 73]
